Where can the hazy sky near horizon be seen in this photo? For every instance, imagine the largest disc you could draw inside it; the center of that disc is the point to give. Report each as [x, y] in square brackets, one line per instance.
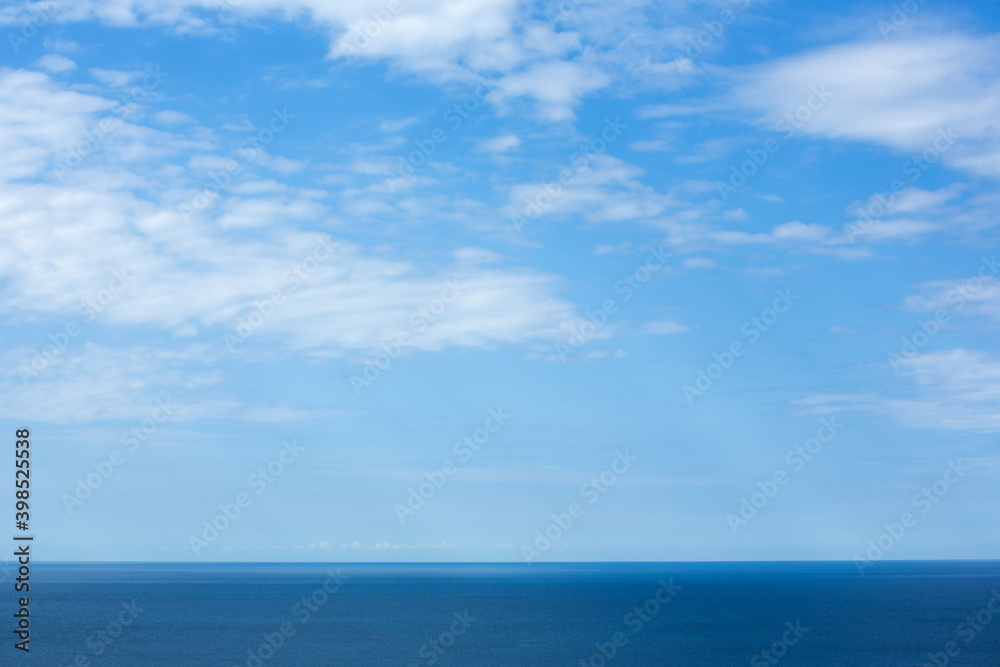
[442, 264]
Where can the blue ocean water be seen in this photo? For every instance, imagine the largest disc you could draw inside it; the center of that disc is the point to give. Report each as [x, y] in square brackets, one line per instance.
[898, 613]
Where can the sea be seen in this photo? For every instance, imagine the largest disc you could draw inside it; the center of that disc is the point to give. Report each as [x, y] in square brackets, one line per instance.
[898, 614]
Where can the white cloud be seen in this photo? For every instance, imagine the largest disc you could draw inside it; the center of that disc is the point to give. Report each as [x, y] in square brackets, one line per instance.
[901, 93]
[557, 86]
[391, 126]
[698, 263]
[114, 78]
[977, 295]
[56, 64]
[812, 238]
[260, 211]
[955, 390]
[202, 274]
[899, 230]
[652, 145]
[622, 247]
[188, 274]
[475, 256]
[917, 200]
[706, 151]
[446, 40]
[87, 382]
[171, 118]
[500, 144]
[608, 190]
[39, 119]
[669, 110]
[959, 389]
[664, 328]
[915, 212]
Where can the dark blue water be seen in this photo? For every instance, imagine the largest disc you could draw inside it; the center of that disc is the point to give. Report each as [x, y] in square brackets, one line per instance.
[897, 614]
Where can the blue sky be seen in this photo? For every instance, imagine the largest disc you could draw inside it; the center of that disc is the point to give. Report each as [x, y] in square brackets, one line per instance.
[235, 235]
